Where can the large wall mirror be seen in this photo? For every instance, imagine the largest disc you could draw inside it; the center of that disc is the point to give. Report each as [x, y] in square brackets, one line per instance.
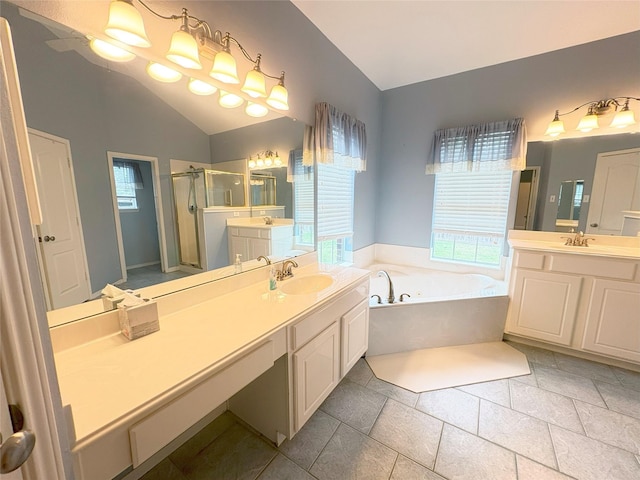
[581, 184]
[149, 162]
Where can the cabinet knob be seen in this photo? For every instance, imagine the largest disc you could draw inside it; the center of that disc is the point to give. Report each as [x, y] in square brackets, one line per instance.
[593, 224]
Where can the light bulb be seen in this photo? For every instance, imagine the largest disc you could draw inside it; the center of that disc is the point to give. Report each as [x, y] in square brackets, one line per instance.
[199, 87]
[229, 100]
[162, 73]
[125, 24]
[256, 110]
[109, 51]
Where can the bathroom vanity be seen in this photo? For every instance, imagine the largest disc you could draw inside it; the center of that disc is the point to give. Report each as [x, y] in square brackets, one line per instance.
[270, 357]
[584, 298]
[252, 237]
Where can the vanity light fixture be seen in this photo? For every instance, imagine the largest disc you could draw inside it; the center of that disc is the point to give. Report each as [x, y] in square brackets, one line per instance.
[162, 73]
[195, 39]
[109, 51]
[622, 119]
[265, 159]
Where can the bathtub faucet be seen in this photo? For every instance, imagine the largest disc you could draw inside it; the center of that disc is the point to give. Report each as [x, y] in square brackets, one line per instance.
[392, 297]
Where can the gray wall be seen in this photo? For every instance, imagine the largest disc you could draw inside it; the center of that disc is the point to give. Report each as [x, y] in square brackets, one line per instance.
[100, 111]
[140, 228]
[531, 88]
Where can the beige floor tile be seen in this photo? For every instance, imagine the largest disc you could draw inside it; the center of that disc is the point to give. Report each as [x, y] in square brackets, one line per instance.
[613, 428]
[496, 391]
[406, 469]
[452, 406]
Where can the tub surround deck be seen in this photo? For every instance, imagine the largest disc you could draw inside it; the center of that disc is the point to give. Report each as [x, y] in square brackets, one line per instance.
[108, 381]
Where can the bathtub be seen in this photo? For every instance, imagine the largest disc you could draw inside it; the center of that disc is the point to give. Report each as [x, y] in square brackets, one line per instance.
[443, 309]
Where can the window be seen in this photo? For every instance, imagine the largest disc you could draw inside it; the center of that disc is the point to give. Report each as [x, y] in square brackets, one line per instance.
[470, 217]
[128, 178]
[303, 202]
[335, 213]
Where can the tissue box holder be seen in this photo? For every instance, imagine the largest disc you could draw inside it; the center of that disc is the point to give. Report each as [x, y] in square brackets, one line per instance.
[138, 320]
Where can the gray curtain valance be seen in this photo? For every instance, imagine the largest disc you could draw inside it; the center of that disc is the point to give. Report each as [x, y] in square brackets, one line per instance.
[479, 148]
[339, 138]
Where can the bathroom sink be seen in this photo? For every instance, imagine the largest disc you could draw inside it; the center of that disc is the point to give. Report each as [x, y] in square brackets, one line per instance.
[306, 284]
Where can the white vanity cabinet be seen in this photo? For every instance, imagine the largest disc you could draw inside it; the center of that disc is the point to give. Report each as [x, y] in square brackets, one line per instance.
[581, 300]
[253, 241]
[324, 347]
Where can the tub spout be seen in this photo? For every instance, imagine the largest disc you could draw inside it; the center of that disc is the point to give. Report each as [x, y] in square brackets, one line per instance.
[392, 297]
[378, 297]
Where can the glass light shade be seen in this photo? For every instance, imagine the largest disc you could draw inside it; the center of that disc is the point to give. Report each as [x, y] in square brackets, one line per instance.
[256, 110]
[224, 68]
[555, 128]
[623, 118]
[184, 50]
[588, 123]
[199, 87]
[254, 84]
[109, 51]
[278, 98]
[268, 162]
[260, 162]
[277, 162]
[229, 100]
[125, 24]
[162, 73]
[252, 164]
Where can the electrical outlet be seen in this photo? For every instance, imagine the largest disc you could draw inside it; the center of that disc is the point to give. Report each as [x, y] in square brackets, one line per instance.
[552, 199]
[262, 212]
[585, 198]
[236, 214]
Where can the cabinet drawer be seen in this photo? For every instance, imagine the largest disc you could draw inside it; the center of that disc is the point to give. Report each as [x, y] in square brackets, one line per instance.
[254, 232]
[309, 327]
[158, 429]
[593, 266]
[529, 260]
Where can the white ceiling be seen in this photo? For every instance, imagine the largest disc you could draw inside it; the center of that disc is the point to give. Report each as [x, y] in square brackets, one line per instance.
[397, 42]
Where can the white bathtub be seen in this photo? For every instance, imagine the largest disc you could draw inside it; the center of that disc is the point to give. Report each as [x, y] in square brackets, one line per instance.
[443, 309]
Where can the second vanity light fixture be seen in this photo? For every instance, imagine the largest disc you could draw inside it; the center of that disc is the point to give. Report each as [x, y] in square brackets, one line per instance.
[193, 39]
[265, 159]
[622, 119]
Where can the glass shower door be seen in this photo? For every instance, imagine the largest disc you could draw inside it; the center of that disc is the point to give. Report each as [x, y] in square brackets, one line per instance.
[188, 196]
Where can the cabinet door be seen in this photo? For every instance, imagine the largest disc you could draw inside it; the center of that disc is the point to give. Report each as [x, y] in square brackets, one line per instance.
[355, 335]
[257, 247]
[613, 320]
[238, 245]
[544, 305]
[316, 370]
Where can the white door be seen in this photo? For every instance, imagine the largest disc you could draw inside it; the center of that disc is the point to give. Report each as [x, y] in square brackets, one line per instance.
[616, 187]
[61, 242]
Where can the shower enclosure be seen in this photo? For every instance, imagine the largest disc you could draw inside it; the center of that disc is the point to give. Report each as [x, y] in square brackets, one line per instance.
[196, 189]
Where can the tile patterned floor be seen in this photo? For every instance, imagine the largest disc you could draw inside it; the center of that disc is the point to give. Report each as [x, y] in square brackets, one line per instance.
[569, 419]
[150, 275]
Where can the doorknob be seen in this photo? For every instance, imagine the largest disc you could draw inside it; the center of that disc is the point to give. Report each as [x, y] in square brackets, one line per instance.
[48, 238]
[16, 450]
[593, 224]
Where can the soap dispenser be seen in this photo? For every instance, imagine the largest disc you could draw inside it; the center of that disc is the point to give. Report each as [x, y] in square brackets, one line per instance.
[272, 278]
[238, 263]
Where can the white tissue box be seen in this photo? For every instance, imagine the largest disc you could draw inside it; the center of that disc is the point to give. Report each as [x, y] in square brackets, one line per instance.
[138, 320]
[110, 303]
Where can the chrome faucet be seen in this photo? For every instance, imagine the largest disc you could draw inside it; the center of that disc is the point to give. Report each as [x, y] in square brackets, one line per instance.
[285, 271]
[578, 240]
[392, 297]
[265, 258]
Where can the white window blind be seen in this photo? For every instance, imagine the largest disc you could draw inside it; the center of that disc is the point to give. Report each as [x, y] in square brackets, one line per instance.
[470, 216]
[303, 201]
[335, 201]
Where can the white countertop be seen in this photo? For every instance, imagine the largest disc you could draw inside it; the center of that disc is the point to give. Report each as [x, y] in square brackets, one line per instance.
[601, 246]
[111, 377]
